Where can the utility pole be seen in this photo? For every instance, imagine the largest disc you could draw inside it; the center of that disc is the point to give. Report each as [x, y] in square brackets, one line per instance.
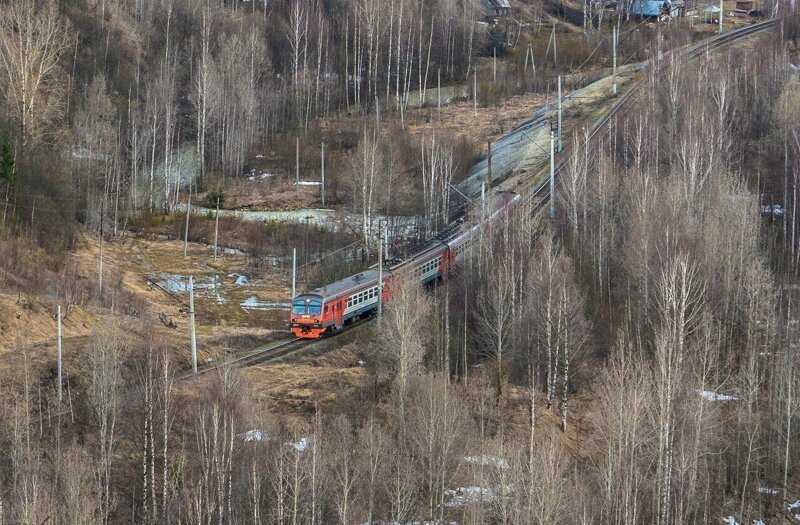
[475, 91]
[483, 200]
[322, 171]
[216, 230]
[294, 273]
[102, 215]
[186, 230]
[614, 61]
[386, 255]
[552, 173]
[297, 166]
[494, 65]
[380, 269]
[721, 13]
[527, 52]
[559, 114]
[377, 114]
[489, 166]
[555, 48]
[191, 325]
[60, 390]
[439, 91]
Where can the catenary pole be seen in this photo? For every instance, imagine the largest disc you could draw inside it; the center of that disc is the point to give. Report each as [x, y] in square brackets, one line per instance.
[297, 165]
[191, 325]
[559, 114]
[322, 172]
[475, 91]
[614, 62]
[380, 270]
[489, 165]
[552, 174]
[216, 230]
[60, 390]
[186, 229]
[294, 272]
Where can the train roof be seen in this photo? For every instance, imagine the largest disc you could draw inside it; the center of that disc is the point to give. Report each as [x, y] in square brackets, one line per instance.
[353, 282]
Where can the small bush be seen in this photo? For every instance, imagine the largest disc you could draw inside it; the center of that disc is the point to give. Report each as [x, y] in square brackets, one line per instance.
[215, 194]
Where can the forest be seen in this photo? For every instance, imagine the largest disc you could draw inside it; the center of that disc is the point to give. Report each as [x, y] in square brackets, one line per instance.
[634, 359]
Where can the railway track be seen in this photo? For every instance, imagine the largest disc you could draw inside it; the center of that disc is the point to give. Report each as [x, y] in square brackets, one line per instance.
[272, 351]
[260, 355]
[537, 199]
[541, 194]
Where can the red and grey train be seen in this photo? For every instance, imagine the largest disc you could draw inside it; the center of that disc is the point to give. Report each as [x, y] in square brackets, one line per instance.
[330, 307]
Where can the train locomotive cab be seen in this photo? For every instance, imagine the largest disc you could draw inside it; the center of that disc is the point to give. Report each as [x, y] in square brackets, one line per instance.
[306, 318]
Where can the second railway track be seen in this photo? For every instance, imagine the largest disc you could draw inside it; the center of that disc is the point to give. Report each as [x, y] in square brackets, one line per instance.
[538, 197]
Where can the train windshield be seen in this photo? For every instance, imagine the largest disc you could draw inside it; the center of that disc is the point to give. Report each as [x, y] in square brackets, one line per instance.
[315, 307]
[299, 307]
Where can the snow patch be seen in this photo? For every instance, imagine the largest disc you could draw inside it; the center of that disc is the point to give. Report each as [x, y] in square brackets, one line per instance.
[758, 522]
[299, 445]
[730, 520]
[767, 490]
[241, 280]
[772, 209]
[713, 396]
[794, 507]
[232, 251]
[262, 176]
[253, 303]
[308, 183]
[204, 286]
[462, 496]
[254, 435]
[437, 522]
[79, 152]
[494, 461]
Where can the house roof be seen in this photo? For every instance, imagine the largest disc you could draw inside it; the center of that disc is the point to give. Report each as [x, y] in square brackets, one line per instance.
[492, 4]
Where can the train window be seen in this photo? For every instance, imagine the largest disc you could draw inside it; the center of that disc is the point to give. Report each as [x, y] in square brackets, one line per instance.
[326, 308]
[315, 307]
[299, 307]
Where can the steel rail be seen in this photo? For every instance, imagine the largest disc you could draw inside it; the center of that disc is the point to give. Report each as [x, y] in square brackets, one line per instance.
[273, 351]
[600, 128]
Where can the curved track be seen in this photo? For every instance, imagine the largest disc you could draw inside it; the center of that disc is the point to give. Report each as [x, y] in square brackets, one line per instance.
[541, 195]
[272, 351]
[537, 198]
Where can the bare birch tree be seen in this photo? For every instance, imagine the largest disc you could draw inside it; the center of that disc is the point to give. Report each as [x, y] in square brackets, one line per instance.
[105, 353]
[33, 36]
[403, 330]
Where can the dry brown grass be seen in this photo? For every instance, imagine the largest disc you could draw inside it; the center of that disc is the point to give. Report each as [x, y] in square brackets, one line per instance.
[29, 319]
[298, 382]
